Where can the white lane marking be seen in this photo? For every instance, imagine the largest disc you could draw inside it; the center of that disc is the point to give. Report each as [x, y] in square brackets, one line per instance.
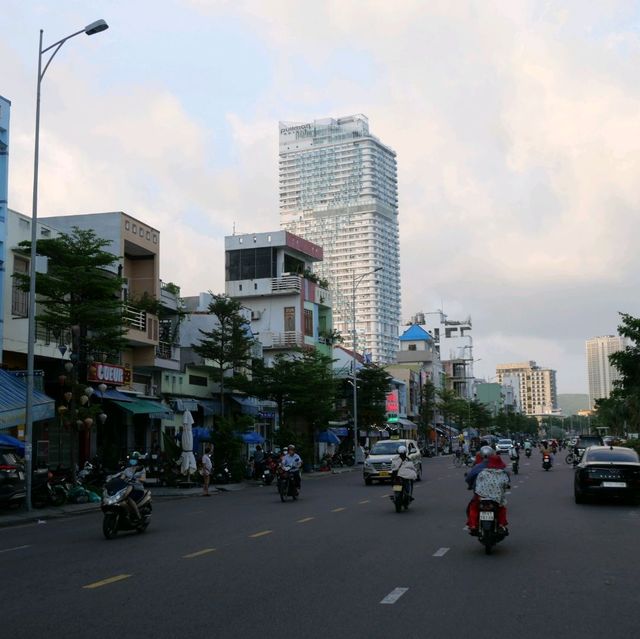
[516, 486]
[394, 595]
[441, 552]
[16, 548]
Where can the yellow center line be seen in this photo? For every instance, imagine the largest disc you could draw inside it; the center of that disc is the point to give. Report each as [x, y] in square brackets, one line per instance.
[364, 501]
[199, 553]
[262, 533]
[106, 582]
[337, 510]
[302, 521]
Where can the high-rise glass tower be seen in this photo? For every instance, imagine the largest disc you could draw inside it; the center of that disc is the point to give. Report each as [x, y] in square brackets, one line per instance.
[339, 189]
[600, 372]
[5, 106]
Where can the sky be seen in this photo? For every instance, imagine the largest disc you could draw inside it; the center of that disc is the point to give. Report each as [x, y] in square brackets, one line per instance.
[516, 125]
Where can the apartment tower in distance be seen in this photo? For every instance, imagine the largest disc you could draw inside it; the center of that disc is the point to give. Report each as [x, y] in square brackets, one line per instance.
[537, 385]
[5, 106]
[601, 373]
[338, 189]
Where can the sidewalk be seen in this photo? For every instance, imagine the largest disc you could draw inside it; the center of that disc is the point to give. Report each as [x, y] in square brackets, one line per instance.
[41, 515]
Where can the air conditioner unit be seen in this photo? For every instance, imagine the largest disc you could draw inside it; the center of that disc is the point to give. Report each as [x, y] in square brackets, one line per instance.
[256, 315]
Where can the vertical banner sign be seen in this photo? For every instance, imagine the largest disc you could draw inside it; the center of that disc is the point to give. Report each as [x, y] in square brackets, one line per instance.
[392, 406]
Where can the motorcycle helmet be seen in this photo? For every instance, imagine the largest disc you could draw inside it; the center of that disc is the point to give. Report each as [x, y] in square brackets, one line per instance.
[291, 447]
[486, 452]
[402, 450]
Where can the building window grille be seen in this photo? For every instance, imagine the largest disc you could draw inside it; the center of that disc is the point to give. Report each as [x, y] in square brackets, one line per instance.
[308, 322]
[19, 298]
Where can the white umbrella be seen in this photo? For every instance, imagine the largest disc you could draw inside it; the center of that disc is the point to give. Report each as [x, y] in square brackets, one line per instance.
[187, 460]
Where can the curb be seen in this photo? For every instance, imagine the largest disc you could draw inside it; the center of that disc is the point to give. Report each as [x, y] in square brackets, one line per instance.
[27, 518]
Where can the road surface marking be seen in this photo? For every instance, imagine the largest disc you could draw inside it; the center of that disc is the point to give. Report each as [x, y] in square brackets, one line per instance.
[262, 533]
[338, 510]
[384, 496]
[199, 553]
[394, 595]
[306, 519]
[516, 486]
[364, 501]
[441, 552]
[16, 548]
[106, 582]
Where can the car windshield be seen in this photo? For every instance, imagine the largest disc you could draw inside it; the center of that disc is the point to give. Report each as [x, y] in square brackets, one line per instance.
[584, 442]
[625, 455]
[386, 448]
[505, 442]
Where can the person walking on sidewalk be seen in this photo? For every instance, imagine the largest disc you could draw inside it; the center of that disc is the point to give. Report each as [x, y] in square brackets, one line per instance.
[207, 467]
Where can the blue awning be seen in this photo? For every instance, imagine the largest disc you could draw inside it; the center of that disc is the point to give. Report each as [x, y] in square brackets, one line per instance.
[112, 393]
[7, 440]
[13, 402]
[340, 431]
[328, 437]
[248, 404]
[210, 406]
[183, 403]
[252, 438]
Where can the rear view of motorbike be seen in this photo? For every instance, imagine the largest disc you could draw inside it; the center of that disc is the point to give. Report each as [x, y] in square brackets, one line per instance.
[489, 533]
[401, 496]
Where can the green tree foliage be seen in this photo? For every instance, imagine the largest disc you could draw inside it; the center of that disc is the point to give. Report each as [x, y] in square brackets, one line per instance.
[80, 292]
[373, 386]
[229, 344]
[427, 407]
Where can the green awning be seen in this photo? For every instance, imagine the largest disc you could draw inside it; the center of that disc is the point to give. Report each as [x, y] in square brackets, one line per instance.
[155, 410]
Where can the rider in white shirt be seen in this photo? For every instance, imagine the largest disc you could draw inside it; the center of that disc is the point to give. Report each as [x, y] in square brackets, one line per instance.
[293, 461]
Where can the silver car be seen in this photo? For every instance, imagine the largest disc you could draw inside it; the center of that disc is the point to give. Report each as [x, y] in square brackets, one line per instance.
[504, 446]
[377, 464]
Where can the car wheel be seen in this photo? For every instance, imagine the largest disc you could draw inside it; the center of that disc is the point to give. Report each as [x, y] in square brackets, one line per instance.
[578, 496]
[368, 481]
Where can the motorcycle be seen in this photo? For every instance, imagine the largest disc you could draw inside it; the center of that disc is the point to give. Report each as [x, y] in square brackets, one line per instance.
[546, 462]
[489, 533]
[286, 484]
[222, 475]
[401, 496]
[515, 463]
[117, 512]
[527, 452]
[44, 492]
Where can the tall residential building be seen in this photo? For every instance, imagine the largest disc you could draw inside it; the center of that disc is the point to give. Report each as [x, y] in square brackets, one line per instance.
[601, 373]
[538, 393]
[5, 107]
[338, 189]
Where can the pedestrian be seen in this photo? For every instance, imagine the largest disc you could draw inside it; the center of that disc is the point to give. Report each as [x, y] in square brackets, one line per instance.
[258, 462]
[207, 467]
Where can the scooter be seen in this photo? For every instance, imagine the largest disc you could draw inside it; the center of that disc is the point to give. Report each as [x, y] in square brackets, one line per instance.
[515, 463]
[546, 462]
[222, 475]
[287, 485]
[401, 497]
[117, 512]
[489, 533]
[527, 452]
[44, 492]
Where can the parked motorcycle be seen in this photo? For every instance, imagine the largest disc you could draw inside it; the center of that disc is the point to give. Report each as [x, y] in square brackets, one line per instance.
[222, 474]
[489, 533]
[401, 496]
[117, 512]
[45, 493]
[286, 484]
[546, 462]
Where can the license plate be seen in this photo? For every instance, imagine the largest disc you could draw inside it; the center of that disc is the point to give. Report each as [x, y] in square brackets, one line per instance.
[614, 484]
[397, 489]
[486, 515]
[384, 473]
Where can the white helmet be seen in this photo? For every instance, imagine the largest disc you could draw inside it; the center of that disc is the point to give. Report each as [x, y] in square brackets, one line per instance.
[402, 450]
[486, 451]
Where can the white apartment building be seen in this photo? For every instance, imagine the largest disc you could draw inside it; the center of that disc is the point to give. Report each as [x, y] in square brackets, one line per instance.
[454, 344]
[338, 189]
[537, 386]
[600, 372]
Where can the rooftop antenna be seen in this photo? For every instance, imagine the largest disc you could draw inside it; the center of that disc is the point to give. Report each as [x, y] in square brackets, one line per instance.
[234, 228]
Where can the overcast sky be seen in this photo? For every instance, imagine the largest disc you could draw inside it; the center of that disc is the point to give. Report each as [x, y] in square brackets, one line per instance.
[516, 124]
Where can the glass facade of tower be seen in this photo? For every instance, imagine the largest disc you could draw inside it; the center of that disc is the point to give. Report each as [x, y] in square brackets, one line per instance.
[5, 107]
[338, 189]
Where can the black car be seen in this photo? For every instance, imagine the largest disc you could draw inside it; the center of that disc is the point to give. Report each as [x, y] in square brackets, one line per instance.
[611, 471]
[12, 478]
[584, 441]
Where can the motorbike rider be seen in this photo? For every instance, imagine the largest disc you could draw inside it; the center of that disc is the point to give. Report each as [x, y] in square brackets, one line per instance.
[293, 461]
[491, 483]
[482, 459]
[403, 467]
[527, 446]
[135, 473]
[514, 454]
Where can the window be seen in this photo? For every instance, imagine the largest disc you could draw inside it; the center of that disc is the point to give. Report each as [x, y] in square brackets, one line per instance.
[290, 318]
[19, 298]
[412, 347]
[197, 380]
[134, 228]
[308, 322]
[127, 225]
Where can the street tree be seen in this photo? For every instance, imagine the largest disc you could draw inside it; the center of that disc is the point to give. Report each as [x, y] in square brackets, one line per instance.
[427, 407]
[373, 386]
[228, 345]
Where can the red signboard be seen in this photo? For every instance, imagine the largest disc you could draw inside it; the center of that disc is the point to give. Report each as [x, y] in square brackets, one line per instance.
[108, 374]
[392, 402]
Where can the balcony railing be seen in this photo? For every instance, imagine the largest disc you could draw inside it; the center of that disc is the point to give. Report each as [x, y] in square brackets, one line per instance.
[136, 318]
[286, 283]
[166, 350]
[288, 339]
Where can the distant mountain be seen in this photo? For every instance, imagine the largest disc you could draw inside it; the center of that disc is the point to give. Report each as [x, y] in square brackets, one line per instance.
[571, 403]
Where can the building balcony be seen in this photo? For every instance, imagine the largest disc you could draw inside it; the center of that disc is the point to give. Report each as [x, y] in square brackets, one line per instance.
[142, 327]
[167, 356]
[286, 284]
[287, 339]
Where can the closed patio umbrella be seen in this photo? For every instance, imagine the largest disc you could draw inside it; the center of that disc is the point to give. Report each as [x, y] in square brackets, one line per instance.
[187, 459]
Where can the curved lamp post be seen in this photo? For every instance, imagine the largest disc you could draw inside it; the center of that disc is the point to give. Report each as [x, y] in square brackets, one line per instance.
[90, 29]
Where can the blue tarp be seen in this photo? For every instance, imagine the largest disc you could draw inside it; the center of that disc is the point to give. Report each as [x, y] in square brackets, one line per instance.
[7, 440]
[112, 393]
[328, 437]
[13, 401]
[210, 406]
[252, 438]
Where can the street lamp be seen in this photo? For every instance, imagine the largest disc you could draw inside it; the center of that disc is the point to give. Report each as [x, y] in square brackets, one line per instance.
[90, 29]
[355, 282]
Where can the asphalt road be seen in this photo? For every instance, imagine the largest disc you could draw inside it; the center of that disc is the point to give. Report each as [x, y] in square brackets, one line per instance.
[244, 564]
